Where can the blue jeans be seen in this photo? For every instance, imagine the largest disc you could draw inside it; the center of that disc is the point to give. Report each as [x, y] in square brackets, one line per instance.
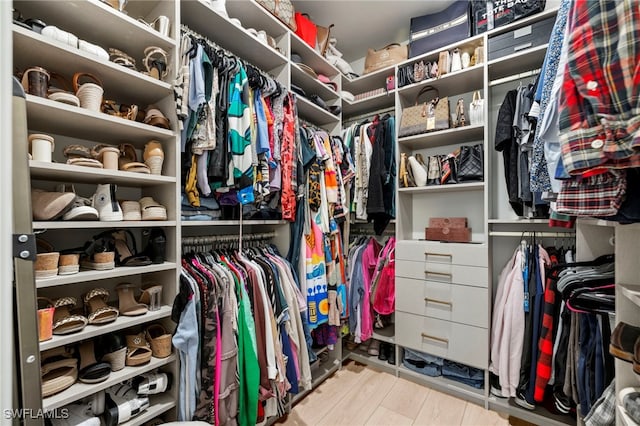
[463, 373]
[422, 363]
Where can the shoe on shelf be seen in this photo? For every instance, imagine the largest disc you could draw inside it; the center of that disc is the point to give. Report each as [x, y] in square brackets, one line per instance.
[156, 245]
[122, 404]
[152, 383]
[152, 210]
[127, 304]
[47, 205]
[392, 355]
[105, 202]
[114, 350]
[159, 339]
[127, 251]
[46, 264]
[131, 210]
[98, 310]
[58, 369]
[151, 296]
[374, 347]
[153, 156]
[91, 371]
[623, 339]
[80, 208]
[64, 321]
[629, 399]
[99, 254]
[138, 350]
[128, 160]
[383, 354]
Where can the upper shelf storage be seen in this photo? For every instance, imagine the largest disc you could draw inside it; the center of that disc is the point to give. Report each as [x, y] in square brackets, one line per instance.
[368, 82]
[311, 85]
[200, 17]
[252, 15]
[312, 58]
[456, 82]
[98, 23]
[120, 83]
[370, 104]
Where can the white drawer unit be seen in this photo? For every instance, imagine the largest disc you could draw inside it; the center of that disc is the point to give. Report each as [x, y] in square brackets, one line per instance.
[447, 253]
[456, 342]
[442, 272]
[449, 302]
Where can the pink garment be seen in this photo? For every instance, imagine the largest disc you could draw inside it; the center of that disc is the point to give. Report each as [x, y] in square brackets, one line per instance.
[507, 335]
[369, 263]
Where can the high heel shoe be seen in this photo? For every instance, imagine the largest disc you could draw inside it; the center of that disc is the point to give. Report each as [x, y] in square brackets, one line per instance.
[127, 304]
[151, 296]
[461, 120]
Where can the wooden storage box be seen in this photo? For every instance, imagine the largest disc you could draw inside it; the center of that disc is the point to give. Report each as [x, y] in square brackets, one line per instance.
[526, 37]
[448, 222]
[453, 235]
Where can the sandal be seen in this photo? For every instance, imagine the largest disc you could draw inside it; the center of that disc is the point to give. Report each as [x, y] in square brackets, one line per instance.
[99, 253]
[155, 118]
[151, 296]
[128, 160]
[115, 350]
[119, 57]
[127, 303]
[126, 251]
[160, 340]
[155, 61]
[153, 156]
[96, 304]
[107, 155]
[92, 371]
[46, 264]
[138, 350]
[58, 369]
[64, 322]
[152, 210]
[131, 210]
[123, 111]
[69, 262]
[80, 155]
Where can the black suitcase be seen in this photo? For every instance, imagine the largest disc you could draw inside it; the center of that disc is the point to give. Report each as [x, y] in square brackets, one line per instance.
[431, 32]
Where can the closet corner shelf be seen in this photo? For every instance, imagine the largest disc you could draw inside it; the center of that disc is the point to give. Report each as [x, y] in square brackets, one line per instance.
[45, 115]
[311, 85]
[445, 385]
[98, 23]
[472, 186]
[103, 225]
[454, 83]
[454, 136]
[201, 223]
[385, 334]
[91, 331]
[80, 390]
[515, 63]
[371, 361]
[61, 172]
[158, 404]
[596, 222]
[201, 18]
[120, 83]
[311, 112]
[367, 82]
[631, 292]
[118, 272]
[312, 58]
[538, 416]
[371, 103]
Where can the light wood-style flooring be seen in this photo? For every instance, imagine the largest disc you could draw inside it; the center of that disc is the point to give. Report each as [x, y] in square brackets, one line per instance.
[358, 395]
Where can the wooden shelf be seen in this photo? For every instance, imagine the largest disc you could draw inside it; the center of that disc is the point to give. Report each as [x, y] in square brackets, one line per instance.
[200, 17]
[366, 82]
[120, 83]
[80, 390]
[91, 331]
[45, 115]
[98, 23]
[312, 58]
[538, 416]
[118, 272]
[61, 172]
[473, 186]
[158, 404]
[311, 85]
[516, 63]
[454, 83]
[454, 136]
[370, 104]
[443, 384]
[102, 225]
[201, 223]
[311, 112]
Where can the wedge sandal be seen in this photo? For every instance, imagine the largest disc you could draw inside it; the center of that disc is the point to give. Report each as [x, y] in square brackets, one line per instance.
[114, 350]
[98, 310]
[138, 350]
[155, 117]
[59, 371]
[107, 155]
[160, 340]
[92, 371]
[128, 160]
[131, 210]
[127, 304]
[99, 254]
[152, 210]
[119, 57]
[65, 322]
[154, 156]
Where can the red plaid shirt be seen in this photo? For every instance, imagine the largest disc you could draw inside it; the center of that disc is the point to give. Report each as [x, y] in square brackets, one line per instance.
[600, 101]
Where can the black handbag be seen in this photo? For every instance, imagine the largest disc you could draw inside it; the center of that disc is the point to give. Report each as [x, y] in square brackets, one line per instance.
[471, 163]
[405, 75]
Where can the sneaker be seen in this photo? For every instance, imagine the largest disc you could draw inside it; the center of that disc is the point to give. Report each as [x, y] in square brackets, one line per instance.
[495, 388]
[374, 347]
[522, 401]
[105, 202]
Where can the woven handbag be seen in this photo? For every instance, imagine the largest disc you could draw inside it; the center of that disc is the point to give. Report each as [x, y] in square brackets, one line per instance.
[425, 117]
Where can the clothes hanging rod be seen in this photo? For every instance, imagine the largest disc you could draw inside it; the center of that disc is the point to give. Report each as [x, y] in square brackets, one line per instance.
[369, 115]
[208, 239]
[533, 234]
[515, 77]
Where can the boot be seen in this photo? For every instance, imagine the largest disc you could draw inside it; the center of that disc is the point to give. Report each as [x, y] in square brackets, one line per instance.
[105, 202]
[392, 355]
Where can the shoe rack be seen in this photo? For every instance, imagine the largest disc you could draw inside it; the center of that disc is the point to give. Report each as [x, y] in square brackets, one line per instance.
[100, 24]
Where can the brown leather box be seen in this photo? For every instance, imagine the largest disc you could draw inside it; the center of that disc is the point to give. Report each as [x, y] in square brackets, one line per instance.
[448, 222]
[452, 235]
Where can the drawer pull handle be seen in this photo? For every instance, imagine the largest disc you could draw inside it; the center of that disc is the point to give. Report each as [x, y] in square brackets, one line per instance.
[442, 274]
[438, 339]
[426, 253]
[441, 302]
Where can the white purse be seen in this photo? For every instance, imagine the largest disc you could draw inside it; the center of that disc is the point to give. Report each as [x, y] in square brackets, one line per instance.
[456, 60]
[476, 110]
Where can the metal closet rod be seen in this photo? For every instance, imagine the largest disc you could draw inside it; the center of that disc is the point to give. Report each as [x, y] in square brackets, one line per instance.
[208, 239]
[532, 233]
[368, 115]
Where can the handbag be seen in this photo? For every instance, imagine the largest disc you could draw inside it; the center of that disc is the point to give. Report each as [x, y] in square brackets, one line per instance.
[434, 171]
[429, 116]
[456, 60]
[405, 75]
[405, 176]
[306, 29]
[476, 109]
[322, 39]
[449, 168]
[444, 63]
[419, 71]
[389, 55]
[281, 9]
[471, 163]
